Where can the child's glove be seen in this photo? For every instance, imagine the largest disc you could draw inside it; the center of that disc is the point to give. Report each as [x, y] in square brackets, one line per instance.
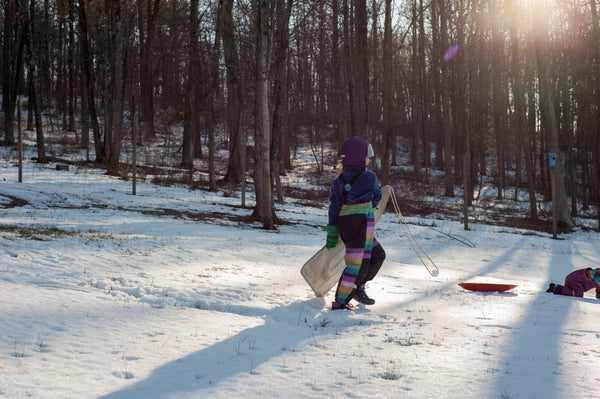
[332, 236]
[597, 294]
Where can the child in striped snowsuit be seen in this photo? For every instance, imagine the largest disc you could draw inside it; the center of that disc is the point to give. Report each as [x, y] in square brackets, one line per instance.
[578, 282]
[354, 194]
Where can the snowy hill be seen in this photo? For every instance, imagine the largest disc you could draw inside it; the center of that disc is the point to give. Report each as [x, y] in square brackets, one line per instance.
[106, 294]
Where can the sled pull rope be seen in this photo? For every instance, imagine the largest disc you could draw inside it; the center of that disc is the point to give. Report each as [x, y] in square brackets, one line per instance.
[433, 270]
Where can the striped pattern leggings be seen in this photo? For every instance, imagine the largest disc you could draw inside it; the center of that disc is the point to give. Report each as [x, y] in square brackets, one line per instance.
[364, 255]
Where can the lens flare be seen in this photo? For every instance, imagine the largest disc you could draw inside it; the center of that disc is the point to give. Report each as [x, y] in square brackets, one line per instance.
[451, 53]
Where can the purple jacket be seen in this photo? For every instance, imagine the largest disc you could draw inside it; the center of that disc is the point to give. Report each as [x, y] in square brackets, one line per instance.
[365, 189]
[576, 283]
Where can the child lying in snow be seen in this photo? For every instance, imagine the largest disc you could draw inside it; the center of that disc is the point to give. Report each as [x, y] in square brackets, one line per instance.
[578, 282]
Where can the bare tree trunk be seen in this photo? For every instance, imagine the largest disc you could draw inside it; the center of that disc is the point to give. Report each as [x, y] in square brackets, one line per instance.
[417, 100]
[285, 146]
[34, 93]
[146, 72]
[559, 201]
[423, 92]
[89, 77]
[520, 109]
[338, 101]
[61, 64]
[350, 109]
[84, 118]
[39, 127]
[387, 87]
[596, 89]
[114, 108]
[71, 67]
[284, 8]
[210, 131]
[31, 112]
[374, 77]
[436, 69]
[361, 58]
[209, 102]
[498, 105]
[190, 124]
[12, 66]
[445, 98]
[262, 165]
[530, 167]
[464, 139]
[237, 145]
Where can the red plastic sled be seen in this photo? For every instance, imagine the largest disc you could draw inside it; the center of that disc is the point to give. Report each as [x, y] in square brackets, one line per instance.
[487, 287]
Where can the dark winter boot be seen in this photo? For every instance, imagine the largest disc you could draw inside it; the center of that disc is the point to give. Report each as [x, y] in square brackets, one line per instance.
[558, 289]
[361, 296]
[551, 287]
[337, 305]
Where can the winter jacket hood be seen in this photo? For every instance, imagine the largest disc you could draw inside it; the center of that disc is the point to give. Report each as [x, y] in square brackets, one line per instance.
[354, 151]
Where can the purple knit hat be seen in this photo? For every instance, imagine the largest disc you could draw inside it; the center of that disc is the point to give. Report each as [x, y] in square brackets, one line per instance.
[355, 150]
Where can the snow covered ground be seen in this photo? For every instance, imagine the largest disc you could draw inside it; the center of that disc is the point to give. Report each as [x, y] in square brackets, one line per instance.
[109, 295]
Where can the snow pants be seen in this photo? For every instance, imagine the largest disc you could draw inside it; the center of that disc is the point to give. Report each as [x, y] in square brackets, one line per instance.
[364, 255]
[576, 283]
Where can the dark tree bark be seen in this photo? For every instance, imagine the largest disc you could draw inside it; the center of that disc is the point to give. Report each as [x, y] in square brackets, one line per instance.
[114, 88]
[445, 93]
[12, 62]
[190, 118]
[262, 165]
[361, 59]
[338, 100]
[284, 8]
[520, 114]
[146, 68]
[71, 67]
[387, 88]
[90, 79]
[237, 145]
[349, 68]
[34, 90]
[595, 72]
[559, 201]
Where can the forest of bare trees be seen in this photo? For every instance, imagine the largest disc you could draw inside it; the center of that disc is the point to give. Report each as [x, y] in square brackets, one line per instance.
[472, 88]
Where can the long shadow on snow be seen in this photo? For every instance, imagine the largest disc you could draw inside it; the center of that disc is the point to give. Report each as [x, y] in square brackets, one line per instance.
[531, 359]
[517, 365]
[245, 351]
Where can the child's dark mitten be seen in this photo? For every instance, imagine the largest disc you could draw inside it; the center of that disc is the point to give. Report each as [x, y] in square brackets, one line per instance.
[597, 294]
